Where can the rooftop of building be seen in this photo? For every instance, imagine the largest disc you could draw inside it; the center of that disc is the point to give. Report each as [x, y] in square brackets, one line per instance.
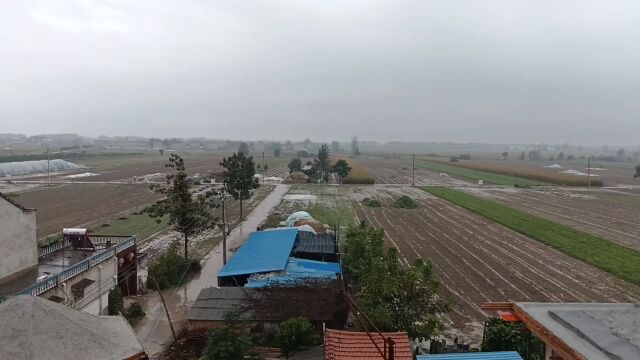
[495, 355]
[36, 328]
[352, 345]
[61, 259]
[593, 331]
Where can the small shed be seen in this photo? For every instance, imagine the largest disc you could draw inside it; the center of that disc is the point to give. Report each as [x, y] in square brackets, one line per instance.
[264, 251]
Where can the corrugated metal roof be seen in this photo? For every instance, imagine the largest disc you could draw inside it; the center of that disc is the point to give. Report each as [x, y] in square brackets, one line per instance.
[213, 303]
[262, 252]
[497, 355]
[315, 243]
[296, 270]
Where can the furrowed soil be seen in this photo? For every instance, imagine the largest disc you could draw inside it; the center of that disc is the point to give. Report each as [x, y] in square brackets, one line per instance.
[610, 214]
[481, 261]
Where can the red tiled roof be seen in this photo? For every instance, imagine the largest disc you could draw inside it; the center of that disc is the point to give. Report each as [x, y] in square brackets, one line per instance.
[350, 345]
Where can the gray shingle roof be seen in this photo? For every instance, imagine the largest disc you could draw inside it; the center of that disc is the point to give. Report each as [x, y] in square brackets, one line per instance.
[37, 329]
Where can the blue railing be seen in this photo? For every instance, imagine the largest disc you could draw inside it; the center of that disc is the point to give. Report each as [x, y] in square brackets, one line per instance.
[46, 250]
[55, 280]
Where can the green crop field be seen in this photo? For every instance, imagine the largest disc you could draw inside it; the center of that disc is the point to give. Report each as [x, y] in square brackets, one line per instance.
[140, 225]
[493, 178]
[613, 258]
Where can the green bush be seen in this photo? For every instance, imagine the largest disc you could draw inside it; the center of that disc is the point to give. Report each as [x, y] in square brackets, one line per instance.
[405, 202]
[115, 301]
[293, 334]
[170, 269]
[225, 344]
[501, 335]
[371, 202]
[134, 313]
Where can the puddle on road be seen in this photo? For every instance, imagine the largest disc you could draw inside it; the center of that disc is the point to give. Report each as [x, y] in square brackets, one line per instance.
[153, 331]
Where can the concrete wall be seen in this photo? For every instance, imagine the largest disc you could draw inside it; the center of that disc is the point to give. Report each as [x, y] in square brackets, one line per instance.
[18, 240]
[94, 293]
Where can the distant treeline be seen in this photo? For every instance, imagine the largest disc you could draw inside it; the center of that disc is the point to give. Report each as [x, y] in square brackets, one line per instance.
[59, 155]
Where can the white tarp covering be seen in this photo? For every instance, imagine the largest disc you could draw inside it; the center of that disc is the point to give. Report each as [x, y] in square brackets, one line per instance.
[34, 167]
[300, 215]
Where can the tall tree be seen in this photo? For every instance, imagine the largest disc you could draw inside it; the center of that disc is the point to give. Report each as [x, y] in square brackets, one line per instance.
[239, 177]
[295, 165]
[637, 174]
[522, 156]
[322, 165]
[561, 156]
[335, 147]
[243, 148]
[342, 168]
[277, 151]
[621, 154]
[395, 299]
[355, 146]
[187, 214]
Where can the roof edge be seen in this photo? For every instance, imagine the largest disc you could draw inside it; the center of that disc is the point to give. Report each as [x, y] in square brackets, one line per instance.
[16, 204]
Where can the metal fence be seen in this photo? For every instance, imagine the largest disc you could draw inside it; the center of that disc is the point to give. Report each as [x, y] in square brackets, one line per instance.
[49, 283]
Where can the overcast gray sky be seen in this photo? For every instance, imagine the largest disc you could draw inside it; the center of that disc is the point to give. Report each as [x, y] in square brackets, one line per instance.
[449, 70]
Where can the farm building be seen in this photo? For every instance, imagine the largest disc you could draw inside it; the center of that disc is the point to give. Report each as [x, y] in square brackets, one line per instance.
[281, 255]
[18, 239]
[351, 345]
[320, 302]
[38, 329]
[579, 331]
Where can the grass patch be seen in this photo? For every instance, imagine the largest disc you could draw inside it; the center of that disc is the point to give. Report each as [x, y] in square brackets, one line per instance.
[332, 216]
[613, 258]
[141, 226]
[489, 177]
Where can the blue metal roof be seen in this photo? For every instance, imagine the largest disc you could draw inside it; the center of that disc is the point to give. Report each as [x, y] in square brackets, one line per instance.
[263, 251]
[496, 355]
[296, 270]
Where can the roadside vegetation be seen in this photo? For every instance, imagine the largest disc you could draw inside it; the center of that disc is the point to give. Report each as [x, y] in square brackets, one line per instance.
[613, 258]
[170, 270]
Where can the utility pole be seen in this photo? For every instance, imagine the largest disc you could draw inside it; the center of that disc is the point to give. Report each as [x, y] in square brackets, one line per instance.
[48, 168]
[413, 170]
[589, 172]
[166, 311]
[224, 232]
[264, 172]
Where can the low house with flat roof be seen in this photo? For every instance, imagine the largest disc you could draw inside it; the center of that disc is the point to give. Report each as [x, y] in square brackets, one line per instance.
[578, 331]
[38, 329]
[79, 270]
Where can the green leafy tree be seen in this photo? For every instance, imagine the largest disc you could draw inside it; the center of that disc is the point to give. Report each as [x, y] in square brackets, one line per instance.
[637, 174]
[342, 168]
[505, 155]
[161, 151]
[187, 214]
[295, 165]
[293, 334]
[621, 153]
[115, 301]
[561, 156]
[355, 146]
[322, 164]
[277, 151]
[335, 147]
[395, 299]
[243, 148]
[522, 156]
[266, 167]
[226, 344]
[239, 177]
[288, 145]
[501, 335]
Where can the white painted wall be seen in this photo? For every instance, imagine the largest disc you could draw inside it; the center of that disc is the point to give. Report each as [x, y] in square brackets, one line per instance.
[18, 240]
[92, 293]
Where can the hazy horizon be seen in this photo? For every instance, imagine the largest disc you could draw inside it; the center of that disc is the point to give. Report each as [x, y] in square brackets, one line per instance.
[493, 72]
